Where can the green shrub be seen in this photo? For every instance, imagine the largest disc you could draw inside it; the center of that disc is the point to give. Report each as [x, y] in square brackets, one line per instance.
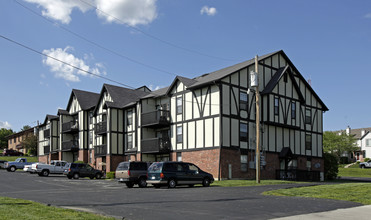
[26, 155]
[366, 159]
[331, 166]
[110, 175]
[79, 161]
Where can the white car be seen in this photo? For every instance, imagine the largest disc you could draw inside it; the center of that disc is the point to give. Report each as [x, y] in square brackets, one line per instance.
[365, 164]
[28, 168]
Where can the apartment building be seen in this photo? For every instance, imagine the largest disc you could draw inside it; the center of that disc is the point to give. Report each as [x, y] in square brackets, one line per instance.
[48, 139]
[15, 140]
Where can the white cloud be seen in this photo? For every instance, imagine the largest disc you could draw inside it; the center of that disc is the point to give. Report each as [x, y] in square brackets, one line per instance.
[66, 72]
[208, 10]
[61, 9]
[131, 12]
[154, 88]
[5, 125]
[368, 15]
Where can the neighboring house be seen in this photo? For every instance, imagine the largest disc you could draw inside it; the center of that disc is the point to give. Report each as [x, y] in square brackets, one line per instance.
[75, 126]
[112, 132]
[15, 140]
[363, 136]
[48, 139]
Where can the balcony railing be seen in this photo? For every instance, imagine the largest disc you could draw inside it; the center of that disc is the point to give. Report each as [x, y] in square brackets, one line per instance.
[158, 118]
[298, 175]
[70, 127]
[155, 145]
[47, 133]
[71, 145]
[100, 150]
[100, 128]
[46, 149]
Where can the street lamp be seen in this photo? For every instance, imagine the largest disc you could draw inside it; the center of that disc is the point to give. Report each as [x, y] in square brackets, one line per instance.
[254, 82]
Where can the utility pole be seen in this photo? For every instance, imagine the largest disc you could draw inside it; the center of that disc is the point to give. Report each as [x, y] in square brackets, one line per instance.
[257, 152]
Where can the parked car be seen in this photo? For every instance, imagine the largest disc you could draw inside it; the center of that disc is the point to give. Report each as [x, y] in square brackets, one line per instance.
[77, 170]
[19, 163]
[2, 164]
[11, 152]
[28, 168]
[55, 167]
[365, 164]
[132, 173]
[177, 173]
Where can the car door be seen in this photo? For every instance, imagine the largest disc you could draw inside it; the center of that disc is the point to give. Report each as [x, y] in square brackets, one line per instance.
[182, 173]
[83, 170]
[58, 168]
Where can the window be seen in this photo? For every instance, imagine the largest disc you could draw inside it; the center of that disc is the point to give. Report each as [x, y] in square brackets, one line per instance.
[179, 105]
[244, 163]
[308, 142]
[90, 117]
[15, 140]
[130, 117]
[276, 105]
[368, 142]
[308, 116]
[10, 141]
[243, 131]
[179, 156]
[130, 141]
[179, 134]
[243, 100]
[293, 110]
[90, 137]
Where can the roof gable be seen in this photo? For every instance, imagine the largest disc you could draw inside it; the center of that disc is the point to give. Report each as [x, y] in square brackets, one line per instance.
[187, 82]
[87, 100]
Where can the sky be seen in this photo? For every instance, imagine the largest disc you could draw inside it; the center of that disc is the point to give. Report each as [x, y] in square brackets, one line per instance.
[149, 42]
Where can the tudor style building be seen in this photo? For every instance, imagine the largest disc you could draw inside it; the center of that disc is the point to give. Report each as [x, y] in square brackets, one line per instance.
[75, 126]
[48, 139]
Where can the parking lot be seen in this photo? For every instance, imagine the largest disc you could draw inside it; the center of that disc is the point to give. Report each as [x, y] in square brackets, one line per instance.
[110, 198]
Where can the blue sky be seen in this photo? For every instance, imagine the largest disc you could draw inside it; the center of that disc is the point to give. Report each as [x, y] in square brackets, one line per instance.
[148, 42]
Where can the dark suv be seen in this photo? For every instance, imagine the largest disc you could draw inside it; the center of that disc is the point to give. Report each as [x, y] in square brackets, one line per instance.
[177, 173]
[77, 170]
[132, 173]
[11, 152]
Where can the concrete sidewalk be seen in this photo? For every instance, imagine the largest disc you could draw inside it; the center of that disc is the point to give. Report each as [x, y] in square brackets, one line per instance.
[360, 212]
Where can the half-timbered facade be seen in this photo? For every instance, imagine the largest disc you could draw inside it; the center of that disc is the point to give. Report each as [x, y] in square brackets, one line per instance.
[75, 126]
[48, 139]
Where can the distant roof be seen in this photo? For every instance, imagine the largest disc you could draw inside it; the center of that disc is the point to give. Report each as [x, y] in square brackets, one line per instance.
[49, 118]
[30, 130]
[63, 112]
[157, 93]
[87, 100]
[357, 132]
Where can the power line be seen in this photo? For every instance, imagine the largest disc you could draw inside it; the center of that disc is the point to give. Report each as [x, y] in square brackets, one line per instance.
[94, 43]
[157, 38]
[75, 67]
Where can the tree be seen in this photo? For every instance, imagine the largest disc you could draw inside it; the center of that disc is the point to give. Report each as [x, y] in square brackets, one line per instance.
[331, 166]
[3, 134]
[338, 144]
[30, 143]
[25, 127]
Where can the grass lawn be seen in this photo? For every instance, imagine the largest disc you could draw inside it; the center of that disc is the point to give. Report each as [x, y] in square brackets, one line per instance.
[354, 192]
[23, 209]
[354, 172]
[232, 183]
[13, 158]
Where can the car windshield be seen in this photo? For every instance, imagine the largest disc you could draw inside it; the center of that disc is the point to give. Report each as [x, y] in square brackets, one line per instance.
[18, 159]
[155, 168]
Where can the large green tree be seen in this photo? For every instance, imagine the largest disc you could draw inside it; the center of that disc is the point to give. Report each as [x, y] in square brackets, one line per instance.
[338, 144]
[25, 127]
[30, 143]
[3, 140]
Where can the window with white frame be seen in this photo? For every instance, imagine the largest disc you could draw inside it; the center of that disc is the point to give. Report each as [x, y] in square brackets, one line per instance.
[243, 100]
[243, 162]
[130, 141]
[308, 141]
[243, 131]
[308, 116]
[368, 142]
[179, 105]
[179, 134]
[130, 117]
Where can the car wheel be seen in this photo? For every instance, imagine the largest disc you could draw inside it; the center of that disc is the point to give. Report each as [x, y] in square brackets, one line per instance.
[76, 176]
[142, 182]
[12, 169]
[129, 184]
[206, 182]
[171, 183]
[69, 177]
[45, 173]
[98, 176]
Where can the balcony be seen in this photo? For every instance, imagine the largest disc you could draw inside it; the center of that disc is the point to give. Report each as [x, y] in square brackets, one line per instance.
[70, 145]
[155, 145]
[70, 127]
[100, 150]
[100, 128]
[47, 133]
[157, 119]
[46, 149]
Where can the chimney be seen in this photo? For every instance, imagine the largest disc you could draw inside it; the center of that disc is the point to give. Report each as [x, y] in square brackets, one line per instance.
[363, 132]
[347, 131]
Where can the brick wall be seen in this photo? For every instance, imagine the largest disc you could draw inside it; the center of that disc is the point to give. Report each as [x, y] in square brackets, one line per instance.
[113, 161]
[83, 155]
[43, 159]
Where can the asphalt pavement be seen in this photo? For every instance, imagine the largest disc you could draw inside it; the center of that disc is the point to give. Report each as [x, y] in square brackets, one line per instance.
[110, 198]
